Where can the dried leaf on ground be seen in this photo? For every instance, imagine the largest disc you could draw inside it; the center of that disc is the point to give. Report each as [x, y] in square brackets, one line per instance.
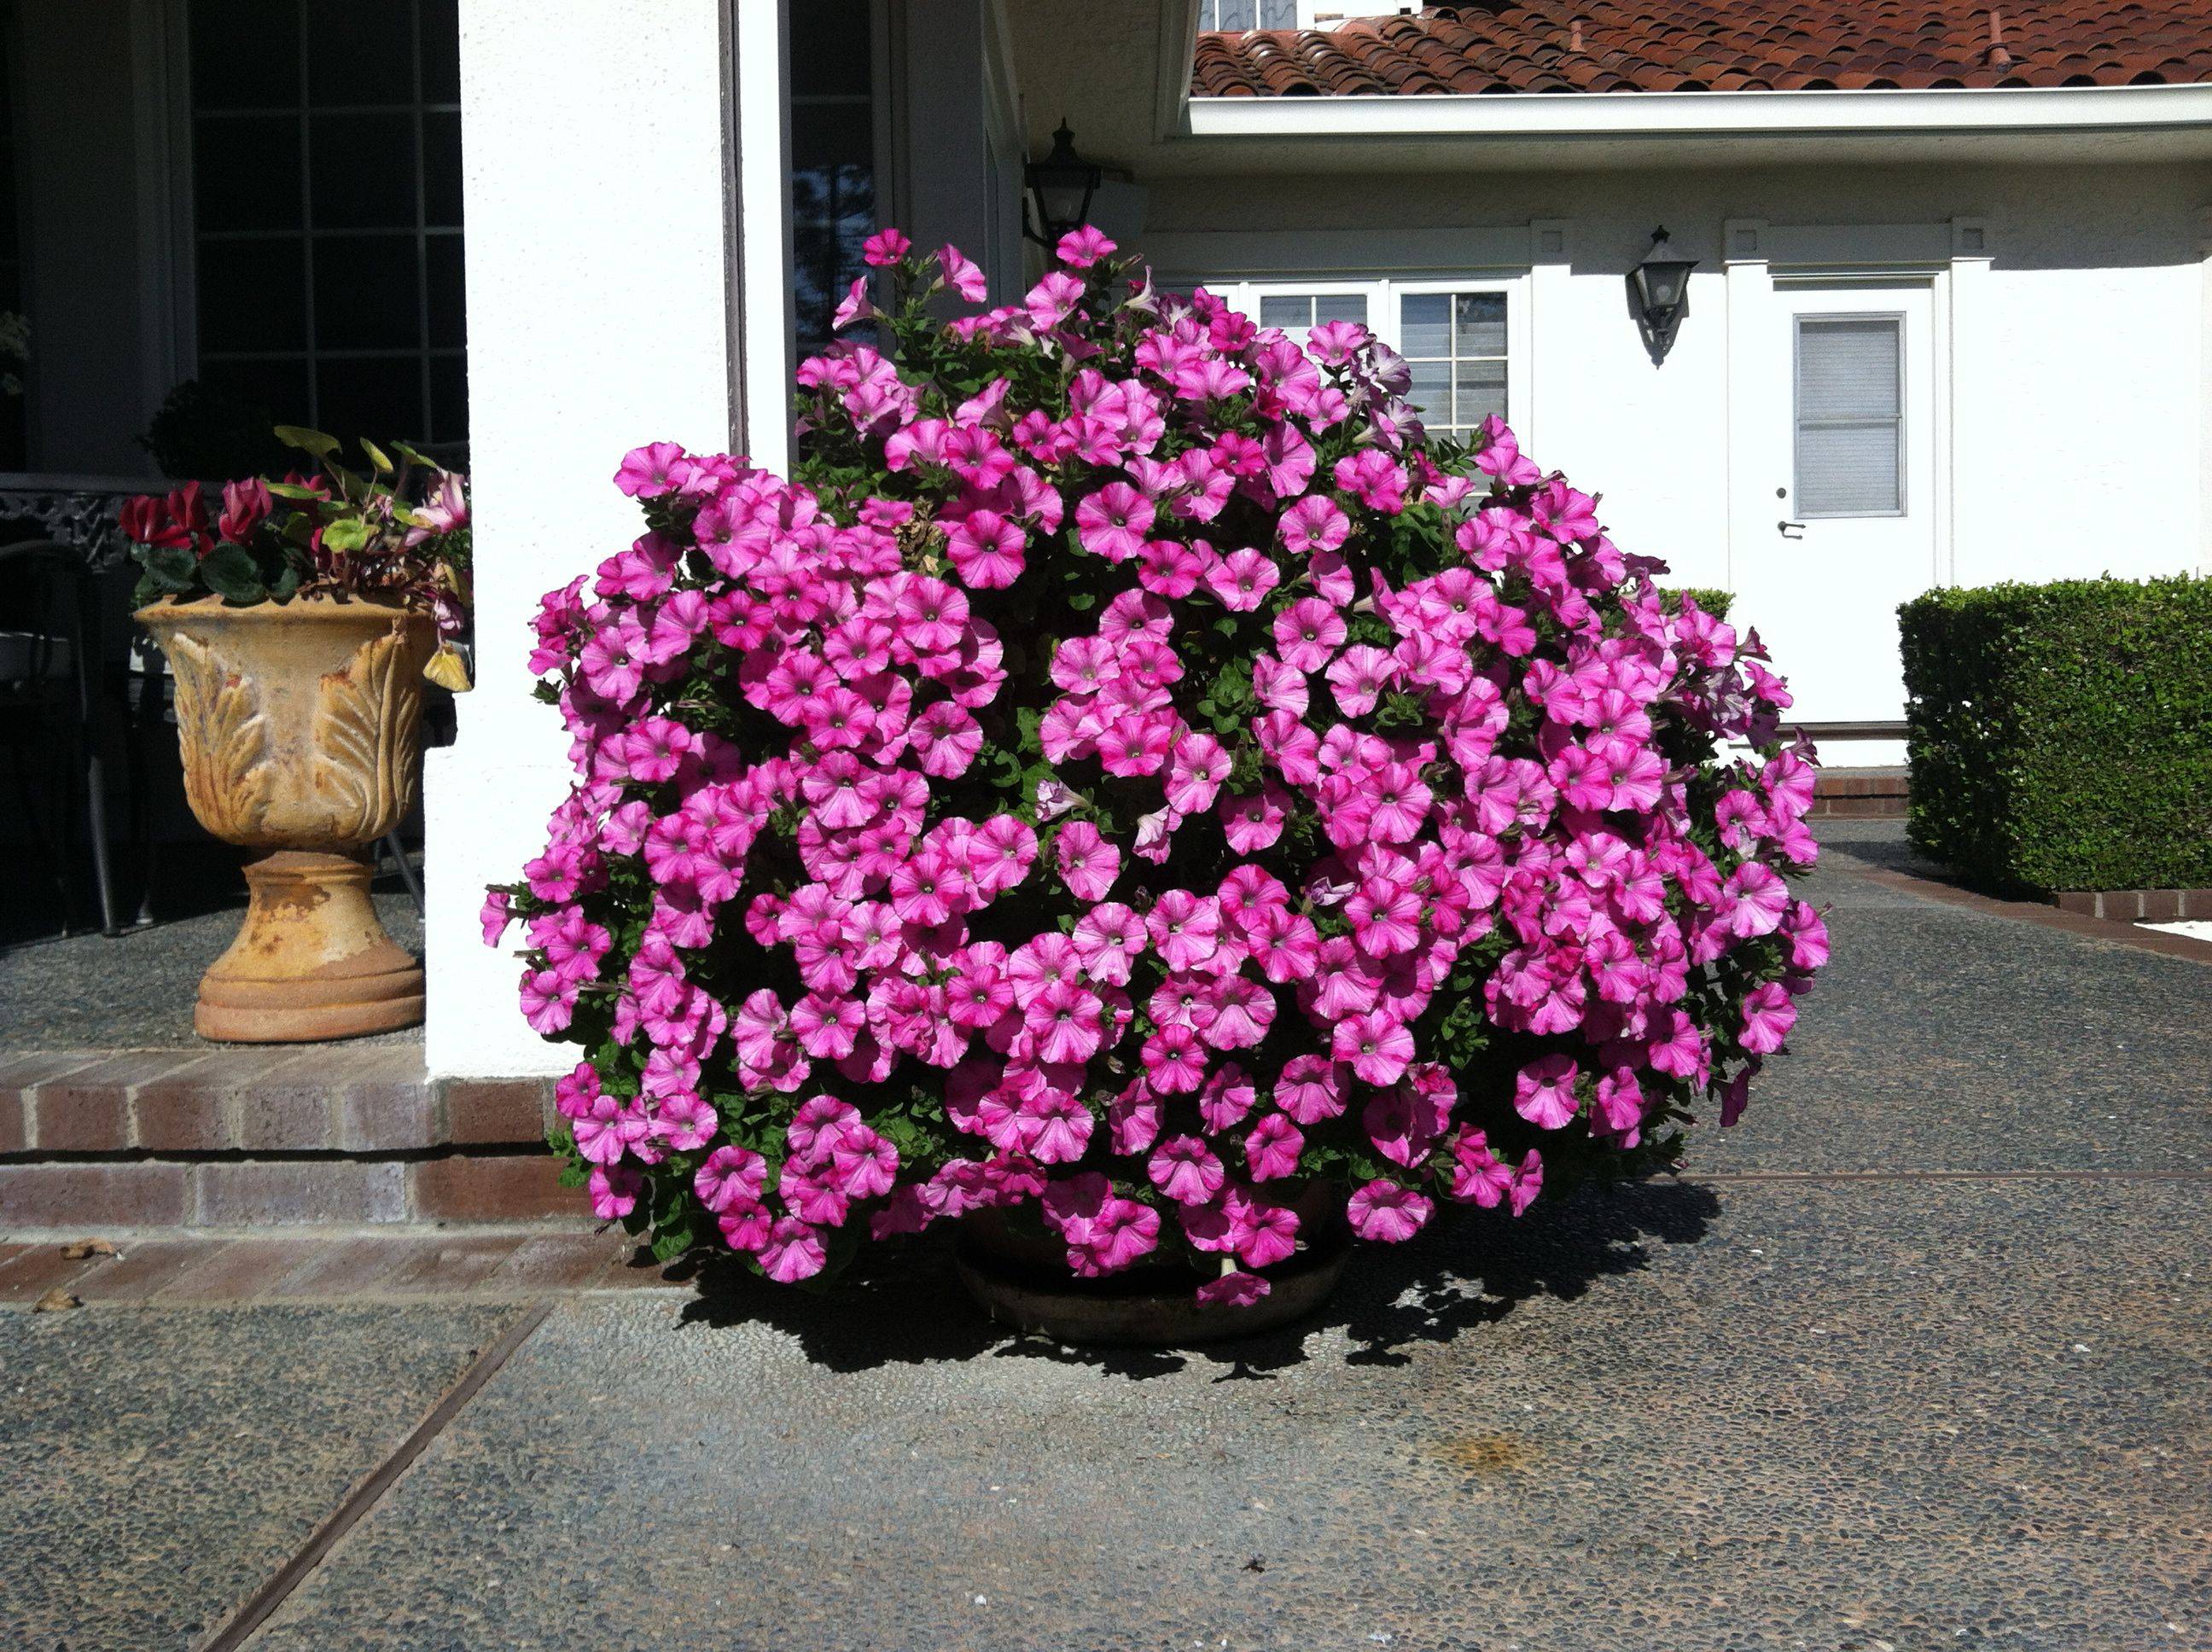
[57, 1299]
[77, 1251]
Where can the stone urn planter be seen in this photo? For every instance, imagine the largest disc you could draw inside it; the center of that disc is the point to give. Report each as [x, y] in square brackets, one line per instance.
[1017, 1274]
[298, 725]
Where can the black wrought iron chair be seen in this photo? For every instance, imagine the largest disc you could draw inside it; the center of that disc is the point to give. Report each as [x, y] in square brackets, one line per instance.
[54, 709]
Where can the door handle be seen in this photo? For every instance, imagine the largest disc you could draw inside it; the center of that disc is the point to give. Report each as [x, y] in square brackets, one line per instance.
[1783, 528]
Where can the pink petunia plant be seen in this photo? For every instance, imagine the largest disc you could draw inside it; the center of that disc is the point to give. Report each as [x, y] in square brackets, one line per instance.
[1133, 779]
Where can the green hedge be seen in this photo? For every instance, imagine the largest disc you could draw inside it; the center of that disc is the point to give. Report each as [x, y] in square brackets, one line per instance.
[1714, 602]
[2062, 734]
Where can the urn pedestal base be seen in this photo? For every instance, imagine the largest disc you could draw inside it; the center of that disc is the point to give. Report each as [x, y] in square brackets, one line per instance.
[310, 961]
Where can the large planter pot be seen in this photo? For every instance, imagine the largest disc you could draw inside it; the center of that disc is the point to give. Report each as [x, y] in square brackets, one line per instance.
[1019, 1275]
[298, 725]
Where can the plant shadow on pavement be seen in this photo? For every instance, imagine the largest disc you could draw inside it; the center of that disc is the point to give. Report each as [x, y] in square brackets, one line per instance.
[1470, 1269]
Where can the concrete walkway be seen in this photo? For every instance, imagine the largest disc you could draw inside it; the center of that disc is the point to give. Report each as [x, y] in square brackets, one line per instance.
[1918, 1357]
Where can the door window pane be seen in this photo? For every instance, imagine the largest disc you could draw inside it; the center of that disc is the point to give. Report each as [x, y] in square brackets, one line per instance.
[246, 54]
[254, 295]
[362, 169]
[360, 53]
[379, 397]
[1849, 415]
[246, 172]
[367, 295]
[329, 234]
[833, 156]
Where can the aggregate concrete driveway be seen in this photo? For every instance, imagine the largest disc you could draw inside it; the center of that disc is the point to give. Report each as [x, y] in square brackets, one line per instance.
[1916, 1357]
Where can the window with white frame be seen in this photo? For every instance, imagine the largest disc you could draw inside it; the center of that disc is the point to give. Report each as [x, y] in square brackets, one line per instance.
[1460, 338]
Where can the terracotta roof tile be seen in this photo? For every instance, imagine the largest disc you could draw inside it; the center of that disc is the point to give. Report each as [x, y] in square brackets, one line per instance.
[1676, 46]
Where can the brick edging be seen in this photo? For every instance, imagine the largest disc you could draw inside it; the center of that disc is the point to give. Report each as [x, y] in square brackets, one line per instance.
[2149, 906]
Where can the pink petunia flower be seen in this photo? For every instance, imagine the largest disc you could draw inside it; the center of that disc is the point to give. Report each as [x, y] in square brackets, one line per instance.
[1544, 1091]
[1384, 1211]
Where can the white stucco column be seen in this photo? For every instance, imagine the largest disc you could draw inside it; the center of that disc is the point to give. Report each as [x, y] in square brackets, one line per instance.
[598, 313]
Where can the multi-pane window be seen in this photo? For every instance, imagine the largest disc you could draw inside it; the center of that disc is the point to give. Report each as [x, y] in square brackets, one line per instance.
[833, 148]
[326, 208]
[1294, 312]
[1849, 415]
[1455, 342]
[1236, 14]
[1458, 336]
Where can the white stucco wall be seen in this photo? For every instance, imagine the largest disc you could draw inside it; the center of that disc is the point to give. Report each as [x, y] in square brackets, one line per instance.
[2078, 383]
[596, 321]
[2071, 343]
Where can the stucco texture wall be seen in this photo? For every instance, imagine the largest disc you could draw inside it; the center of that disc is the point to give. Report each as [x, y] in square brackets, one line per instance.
[598, 321]
[2078, 384]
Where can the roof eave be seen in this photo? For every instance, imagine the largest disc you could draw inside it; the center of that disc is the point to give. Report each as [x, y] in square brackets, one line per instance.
[1661, 115]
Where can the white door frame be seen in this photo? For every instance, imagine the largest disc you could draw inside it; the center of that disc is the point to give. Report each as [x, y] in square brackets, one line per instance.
[1762, 259]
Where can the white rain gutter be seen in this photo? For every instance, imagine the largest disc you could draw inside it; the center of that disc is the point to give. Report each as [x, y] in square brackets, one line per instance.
[1569, 115]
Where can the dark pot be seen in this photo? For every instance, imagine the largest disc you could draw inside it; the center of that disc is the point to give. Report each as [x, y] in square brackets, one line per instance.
[1018, 1272]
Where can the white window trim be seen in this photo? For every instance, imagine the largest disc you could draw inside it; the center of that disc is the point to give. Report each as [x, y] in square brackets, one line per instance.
[1383, 293]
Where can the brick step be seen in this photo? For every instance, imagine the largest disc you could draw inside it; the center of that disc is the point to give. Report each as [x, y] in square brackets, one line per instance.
[324, 1189]
[333, 1135]
[1860, 794]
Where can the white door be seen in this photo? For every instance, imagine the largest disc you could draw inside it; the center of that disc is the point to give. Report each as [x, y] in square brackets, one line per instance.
[1839, 456]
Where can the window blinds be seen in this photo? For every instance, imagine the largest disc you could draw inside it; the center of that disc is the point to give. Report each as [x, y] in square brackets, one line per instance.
[1849, 415]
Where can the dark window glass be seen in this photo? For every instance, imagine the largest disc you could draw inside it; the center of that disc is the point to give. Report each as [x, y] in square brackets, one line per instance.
[253, 294]
[246, 172]
[441, 62]
[832, 183]
[359, 51]
[368, 293]
[362, 171]
[441, 170]
[279, 388]
[444, 267]
[449, 398]
[379, 397]
[830, 42]
[246, 54]
[15, 435]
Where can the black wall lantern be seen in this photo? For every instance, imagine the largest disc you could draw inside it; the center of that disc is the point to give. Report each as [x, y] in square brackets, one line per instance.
[1059, 191]
[1659, 292]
